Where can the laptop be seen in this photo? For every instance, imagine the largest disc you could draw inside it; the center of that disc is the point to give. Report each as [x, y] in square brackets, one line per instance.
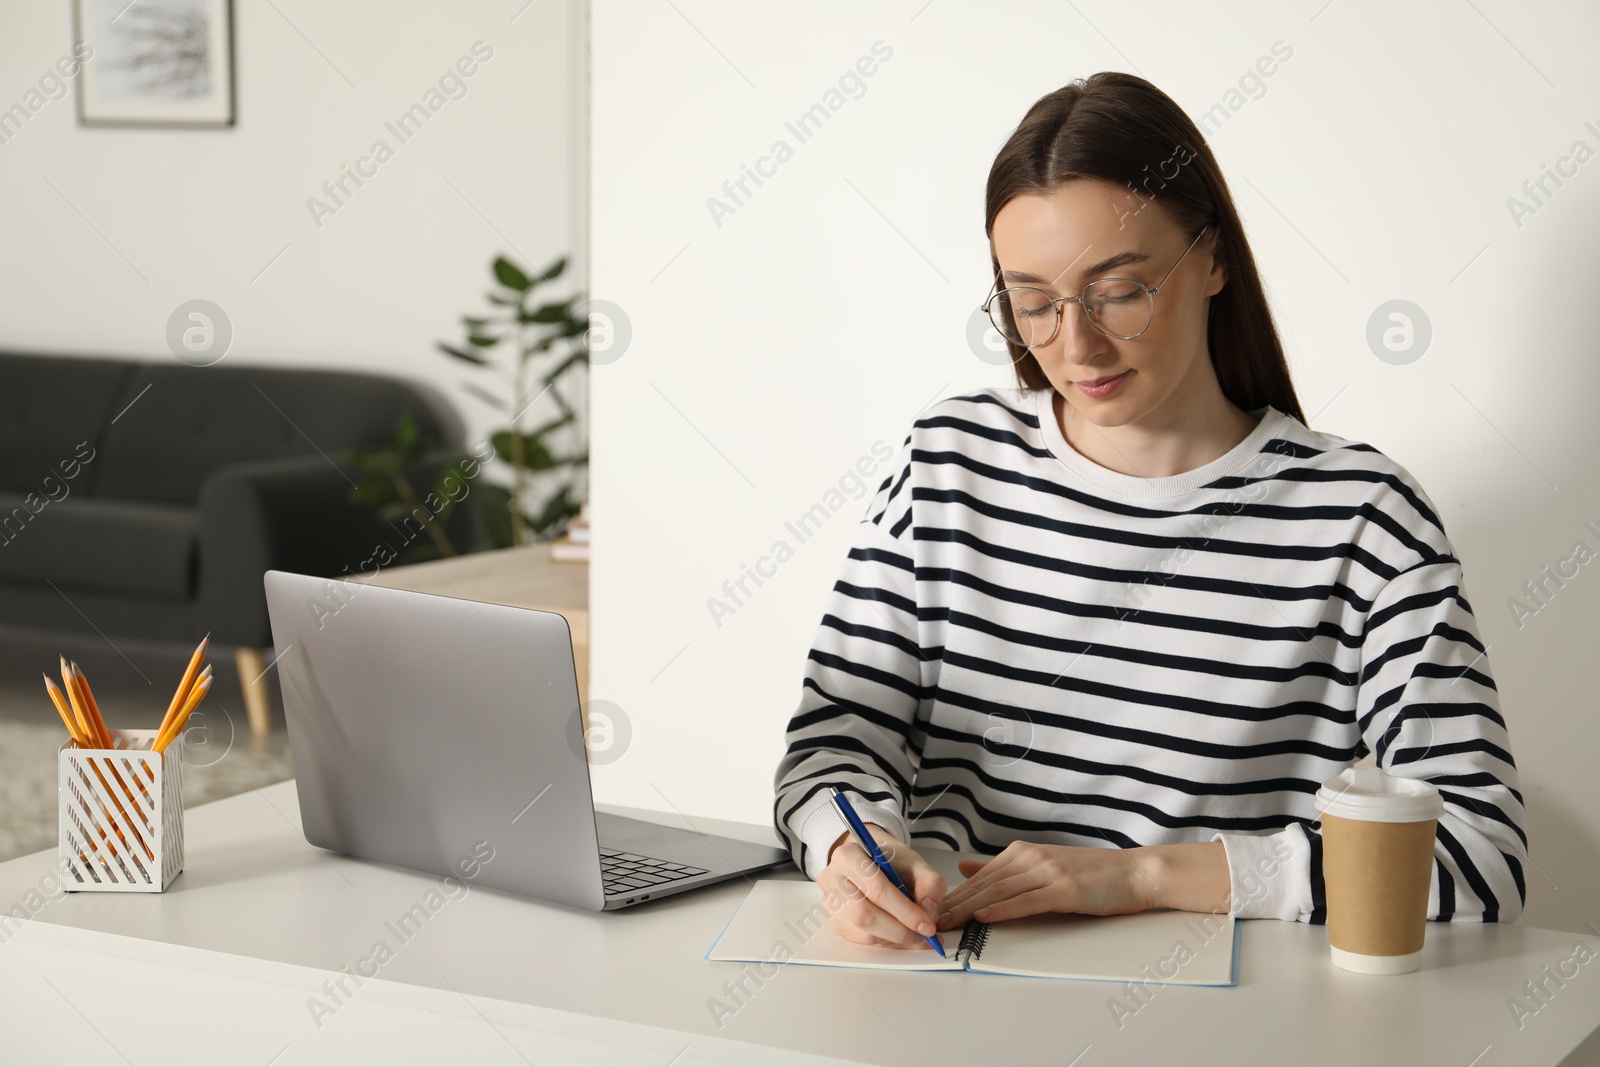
[431, 732]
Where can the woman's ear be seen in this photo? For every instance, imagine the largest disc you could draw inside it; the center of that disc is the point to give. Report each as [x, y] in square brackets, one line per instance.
[1219, 269]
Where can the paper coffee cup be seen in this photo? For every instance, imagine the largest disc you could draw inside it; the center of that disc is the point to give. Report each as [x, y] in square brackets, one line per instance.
[1377, 863]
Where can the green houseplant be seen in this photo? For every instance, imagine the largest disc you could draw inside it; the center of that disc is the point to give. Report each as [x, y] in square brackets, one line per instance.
[388, 490]
[532, 346]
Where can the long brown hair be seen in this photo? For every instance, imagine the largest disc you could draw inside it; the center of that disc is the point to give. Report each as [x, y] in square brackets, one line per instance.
[1119, 128]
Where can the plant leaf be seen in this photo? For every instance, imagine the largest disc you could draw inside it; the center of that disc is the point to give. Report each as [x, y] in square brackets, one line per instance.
[548, 313]
[461, 353]
[510, 275]
[557, 510]
[405, 434]
[536, 457]
[501, 441]
[575, 357]
[368, 492]
[484, 395]
[553, 424]
[494, 507]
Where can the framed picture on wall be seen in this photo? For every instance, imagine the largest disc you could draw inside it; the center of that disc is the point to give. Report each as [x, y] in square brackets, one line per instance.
[154, 62]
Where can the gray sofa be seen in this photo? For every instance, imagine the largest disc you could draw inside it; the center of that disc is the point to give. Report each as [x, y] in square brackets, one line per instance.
[147, 498]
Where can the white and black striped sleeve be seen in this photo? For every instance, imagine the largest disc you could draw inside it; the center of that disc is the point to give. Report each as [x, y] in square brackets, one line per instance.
[1428, 708]
[861, 689]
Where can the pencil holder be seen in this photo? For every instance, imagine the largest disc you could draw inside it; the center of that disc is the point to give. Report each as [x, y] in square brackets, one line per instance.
[120, 813]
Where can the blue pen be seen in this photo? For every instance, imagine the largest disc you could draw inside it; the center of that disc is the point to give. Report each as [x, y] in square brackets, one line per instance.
[859, 828]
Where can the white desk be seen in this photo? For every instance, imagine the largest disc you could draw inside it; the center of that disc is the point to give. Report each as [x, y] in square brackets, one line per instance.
[252, 928]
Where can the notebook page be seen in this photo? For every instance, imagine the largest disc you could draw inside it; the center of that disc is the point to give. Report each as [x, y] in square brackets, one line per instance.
[1161, 946]
[784, 920]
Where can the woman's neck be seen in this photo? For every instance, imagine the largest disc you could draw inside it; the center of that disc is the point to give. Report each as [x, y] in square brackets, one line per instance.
[1163, 443]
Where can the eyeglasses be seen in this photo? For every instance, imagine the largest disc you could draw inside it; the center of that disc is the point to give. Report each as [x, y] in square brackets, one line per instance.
[1118, 307]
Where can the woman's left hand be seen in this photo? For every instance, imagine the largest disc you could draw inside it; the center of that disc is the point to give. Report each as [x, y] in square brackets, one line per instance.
[1029, 878]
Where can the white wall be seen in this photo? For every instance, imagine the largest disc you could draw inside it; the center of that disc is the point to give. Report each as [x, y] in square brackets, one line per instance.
[106, 231]
[1376, 163]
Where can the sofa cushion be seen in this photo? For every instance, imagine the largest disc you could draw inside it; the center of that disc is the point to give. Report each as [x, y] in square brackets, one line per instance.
[119, 546]
[188, 421]
[53, 410]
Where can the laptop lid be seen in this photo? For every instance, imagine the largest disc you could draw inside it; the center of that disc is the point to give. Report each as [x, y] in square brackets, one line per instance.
[429, 731]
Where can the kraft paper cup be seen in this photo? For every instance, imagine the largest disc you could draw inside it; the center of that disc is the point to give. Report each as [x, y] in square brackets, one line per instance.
[1377, 863]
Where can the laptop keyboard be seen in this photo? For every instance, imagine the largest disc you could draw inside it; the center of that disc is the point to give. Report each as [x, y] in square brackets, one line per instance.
[623, 872]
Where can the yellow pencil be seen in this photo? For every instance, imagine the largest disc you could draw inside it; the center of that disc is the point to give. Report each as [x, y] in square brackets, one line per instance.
[112, 793]
[92, 705]
[91, 710]
[105, 734]
[66, 713]
[78, 709]
[200, 689]
[171, 724]
[75, 730]
[182, 692]
[197, 693]
[74, 688]
[175, 728]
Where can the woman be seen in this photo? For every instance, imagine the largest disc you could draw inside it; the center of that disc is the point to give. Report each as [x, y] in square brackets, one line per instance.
[1115, 626]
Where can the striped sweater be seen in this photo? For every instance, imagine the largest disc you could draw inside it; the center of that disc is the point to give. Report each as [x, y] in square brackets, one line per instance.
[1025, 645]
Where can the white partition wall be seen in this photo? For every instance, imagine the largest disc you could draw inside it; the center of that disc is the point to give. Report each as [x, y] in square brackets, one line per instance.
[1438, 154]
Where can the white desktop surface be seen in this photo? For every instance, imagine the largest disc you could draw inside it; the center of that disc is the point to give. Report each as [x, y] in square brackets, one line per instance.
[236, 947]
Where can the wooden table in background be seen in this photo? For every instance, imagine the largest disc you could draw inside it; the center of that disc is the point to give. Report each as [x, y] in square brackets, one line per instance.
[523, 577]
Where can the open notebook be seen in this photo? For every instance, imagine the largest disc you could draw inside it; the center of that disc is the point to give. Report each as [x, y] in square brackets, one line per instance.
[783, 921]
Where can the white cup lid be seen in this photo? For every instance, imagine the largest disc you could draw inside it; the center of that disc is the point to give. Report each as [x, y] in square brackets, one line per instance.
[1374, 795]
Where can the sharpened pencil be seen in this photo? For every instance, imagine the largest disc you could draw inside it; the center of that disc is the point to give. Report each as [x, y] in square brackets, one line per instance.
[65, 712]
[78, 710]
[107, 740]
[112, 793]
[198, 694]
[181, 694]
[75, 694]
[92, 705]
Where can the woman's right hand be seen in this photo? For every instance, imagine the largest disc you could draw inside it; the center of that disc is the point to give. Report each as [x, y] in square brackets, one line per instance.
[873, 911]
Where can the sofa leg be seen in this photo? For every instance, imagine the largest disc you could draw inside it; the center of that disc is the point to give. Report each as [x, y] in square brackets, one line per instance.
[253, 679]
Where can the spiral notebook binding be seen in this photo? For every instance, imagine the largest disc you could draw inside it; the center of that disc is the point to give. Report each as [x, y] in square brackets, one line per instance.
[973, 938]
